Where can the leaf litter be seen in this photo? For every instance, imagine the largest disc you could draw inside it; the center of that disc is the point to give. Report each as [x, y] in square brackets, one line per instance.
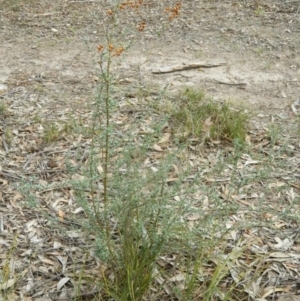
[48, 261]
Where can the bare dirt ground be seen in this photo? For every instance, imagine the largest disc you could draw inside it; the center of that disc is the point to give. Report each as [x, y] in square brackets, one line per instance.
[47, 74]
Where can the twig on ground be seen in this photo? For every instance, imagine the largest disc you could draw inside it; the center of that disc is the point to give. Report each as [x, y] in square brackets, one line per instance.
[185, 67]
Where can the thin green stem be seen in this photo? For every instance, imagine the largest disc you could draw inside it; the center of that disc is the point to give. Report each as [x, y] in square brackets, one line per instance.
[107, 116]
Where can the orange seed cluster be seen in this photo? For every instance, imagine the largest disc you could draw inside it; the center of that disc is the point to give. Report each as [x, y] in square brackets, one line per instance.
[115, 51]
[131, 4]
[141, 26]
[118, 51]
[173, 11]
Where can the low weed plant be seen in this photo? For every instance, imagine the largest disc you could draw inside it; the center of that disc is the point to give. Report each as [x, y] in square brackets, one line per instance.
[136, 214]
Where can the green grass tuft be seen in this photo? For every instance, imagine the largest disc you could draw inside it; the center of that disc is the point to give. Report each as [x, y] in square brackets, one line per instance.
[51, 133]
[196, 116]
[3, 108]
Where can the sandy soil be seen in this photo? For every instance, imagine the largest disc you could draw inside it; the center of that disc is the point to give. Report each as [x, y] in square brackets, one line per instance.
[48, 67]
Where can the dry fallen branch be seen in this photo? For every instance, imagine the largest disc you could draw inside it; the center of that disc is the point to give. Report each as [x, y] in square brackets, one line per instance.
[184, 66]
[231, 83]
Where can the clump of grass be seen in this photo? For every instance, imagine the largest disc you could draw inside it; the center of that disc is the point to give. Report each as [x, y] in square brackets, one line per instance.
[196, 116]
[8, 135]
[51, 133]
[37, 118]
[8, 276]
[274, 133]
[75, 126]
[3, 108]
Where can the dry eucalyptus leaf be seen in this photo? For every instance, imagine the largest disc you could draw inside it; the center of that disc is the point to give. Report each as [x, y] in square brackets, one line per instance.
[62, 282]
[8, 284]
[165, 138]
[157, 148]
[193, 217]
